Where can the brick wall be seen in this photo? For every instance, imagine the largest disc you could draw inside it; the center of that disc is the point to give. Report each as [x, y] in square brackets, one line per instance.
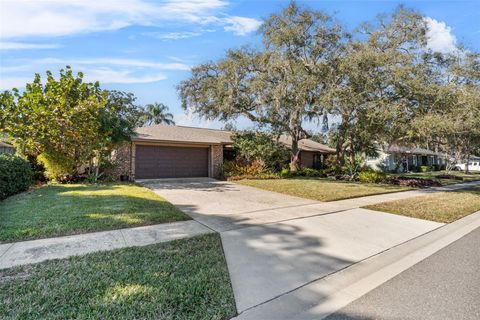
[121, 162]
[216, 157]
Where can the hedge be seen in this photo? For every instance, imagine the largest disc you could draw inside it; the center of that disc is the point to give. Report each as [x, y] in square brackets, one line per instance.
[15, 175]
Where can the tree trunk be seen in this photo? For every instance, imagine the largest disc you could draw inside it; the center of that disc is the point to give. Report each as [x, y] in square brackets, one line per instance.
[352, 153]
[340, 150]
[295, 153]
[466, 164]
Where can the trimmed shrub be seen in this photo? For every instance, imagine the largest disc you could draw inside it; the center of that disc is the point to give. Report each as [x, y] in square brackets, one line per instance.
[57, 166]
[15, 175]
[243, 168]
[302, 172]
[309, 172]
[370, 176]
[285, 173]
[38, 170]
[425, 168]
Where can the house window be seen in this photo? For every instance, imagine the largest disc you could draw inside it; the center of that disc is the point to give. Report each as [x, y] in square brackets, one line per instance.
[317, 161]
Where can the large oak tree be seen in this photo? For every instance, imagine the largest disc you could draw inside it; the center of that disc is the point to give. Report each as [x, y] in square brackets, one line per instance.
[278, 86]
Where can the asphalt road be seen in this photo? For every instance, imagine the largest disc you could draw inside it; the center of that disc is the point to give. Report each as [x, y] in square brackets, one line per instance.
[446, 285]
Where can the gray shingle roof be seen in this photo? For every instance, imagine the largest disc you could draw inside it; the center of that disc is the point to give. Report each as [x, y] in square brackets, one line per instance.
[181, 134]
[307, 145]
[403, 149]
[5, 145]
[166, 133]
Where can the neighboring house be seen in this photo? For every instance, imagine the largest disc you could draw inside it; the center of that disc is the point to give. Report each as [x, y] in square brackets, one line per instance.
[402, 158]
[163, 151]
[473, 164]
[6, 148]
[312, 154]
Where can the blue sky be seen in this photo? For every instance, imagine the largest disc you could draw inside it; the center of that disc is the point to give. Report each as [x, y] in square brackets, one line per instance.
[148, 47]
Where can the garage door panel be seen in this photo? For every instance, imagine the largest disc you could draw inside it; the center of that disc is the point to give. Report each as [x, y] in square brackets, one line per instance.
[170, 162]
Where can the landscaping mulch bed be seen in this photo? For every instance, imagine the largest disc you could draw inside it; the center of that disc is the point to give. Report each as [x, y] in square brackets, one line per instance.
[414, 182]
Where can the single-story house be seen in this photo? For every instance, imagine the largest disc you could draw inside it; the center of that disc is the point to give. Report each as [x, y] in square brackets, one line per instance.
[6, 148]
[403, 158]
[164, 151]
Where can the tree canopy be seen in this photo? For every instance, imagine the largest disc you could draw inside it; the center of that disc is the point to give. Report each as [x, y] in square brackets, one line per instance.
[278, 86]
[66, 122]
[379, 84]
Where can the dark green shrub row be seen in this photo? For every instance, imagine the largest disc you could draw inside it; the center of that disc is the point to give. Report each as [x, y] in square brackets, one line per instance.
[15, 175]
[435, 167]
[302, 172]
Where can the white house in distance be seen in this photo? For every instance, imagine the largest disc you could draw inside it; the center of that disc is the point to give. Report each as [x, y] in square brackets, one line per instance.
[402, 158]
[473, 165]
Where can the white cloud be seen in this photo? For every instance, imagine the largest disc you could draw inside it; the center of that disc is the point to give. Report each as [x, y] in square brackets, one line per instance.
[103, 75]
[188, 119]
[7, 83]
[114, 62]
[7, 45]
[107, 75]
[172, 35]
[241, 25]
[50, 18]
[439, 36]
[104, 70]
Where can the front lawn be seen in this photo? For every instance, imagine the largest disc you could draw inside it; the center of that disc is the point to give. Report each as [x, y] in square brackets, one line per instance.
[467, 177]
[183, 279]
[441, 207]
[56, 210]
[321, 189]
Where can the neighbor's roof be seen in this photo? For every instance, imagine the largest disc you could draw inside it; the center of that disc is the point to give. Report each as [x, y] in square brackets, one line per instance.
[404, 149]
[181, 134]
[6, 145]
[167, 133]
[306, 145]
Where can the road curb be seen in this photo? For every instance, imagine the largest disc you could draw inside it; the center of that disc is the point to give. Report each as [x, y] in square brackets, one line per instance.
[324, 296]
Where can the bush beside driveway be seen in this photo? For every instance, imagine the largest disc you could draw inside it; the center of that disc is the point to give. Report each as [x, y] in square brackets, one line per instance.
[57, 210]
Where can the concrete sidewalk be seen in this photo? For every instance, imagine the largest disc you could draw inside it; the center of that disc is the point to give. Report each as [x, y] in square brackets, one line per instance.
[25, 252]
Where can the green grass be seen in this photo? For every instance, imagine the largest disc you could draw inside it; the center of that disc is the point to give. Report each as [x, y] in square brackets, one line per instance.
[56, 210]
[182, 279]
[441, 207]
[321, 189]
[433, 175]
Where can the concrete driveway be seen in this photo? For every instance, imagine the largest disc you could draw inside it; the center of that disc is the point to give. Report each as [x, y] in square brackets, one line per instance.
[276, 243]
[223, 205]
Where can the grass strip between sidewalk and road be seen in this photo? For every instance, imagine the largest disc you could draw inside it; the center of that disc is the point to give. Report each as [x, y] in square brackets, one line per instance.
[443, 207]
[182, 279]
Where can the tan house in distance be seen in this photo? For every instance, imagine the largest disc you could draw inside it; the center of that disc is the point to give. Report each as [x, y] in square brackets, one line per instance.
[164, 151]
[6, 148]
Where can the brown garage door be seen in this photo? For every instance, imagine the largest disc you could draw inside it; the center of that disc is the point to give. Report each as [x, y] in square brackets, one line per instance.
[153, 162]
